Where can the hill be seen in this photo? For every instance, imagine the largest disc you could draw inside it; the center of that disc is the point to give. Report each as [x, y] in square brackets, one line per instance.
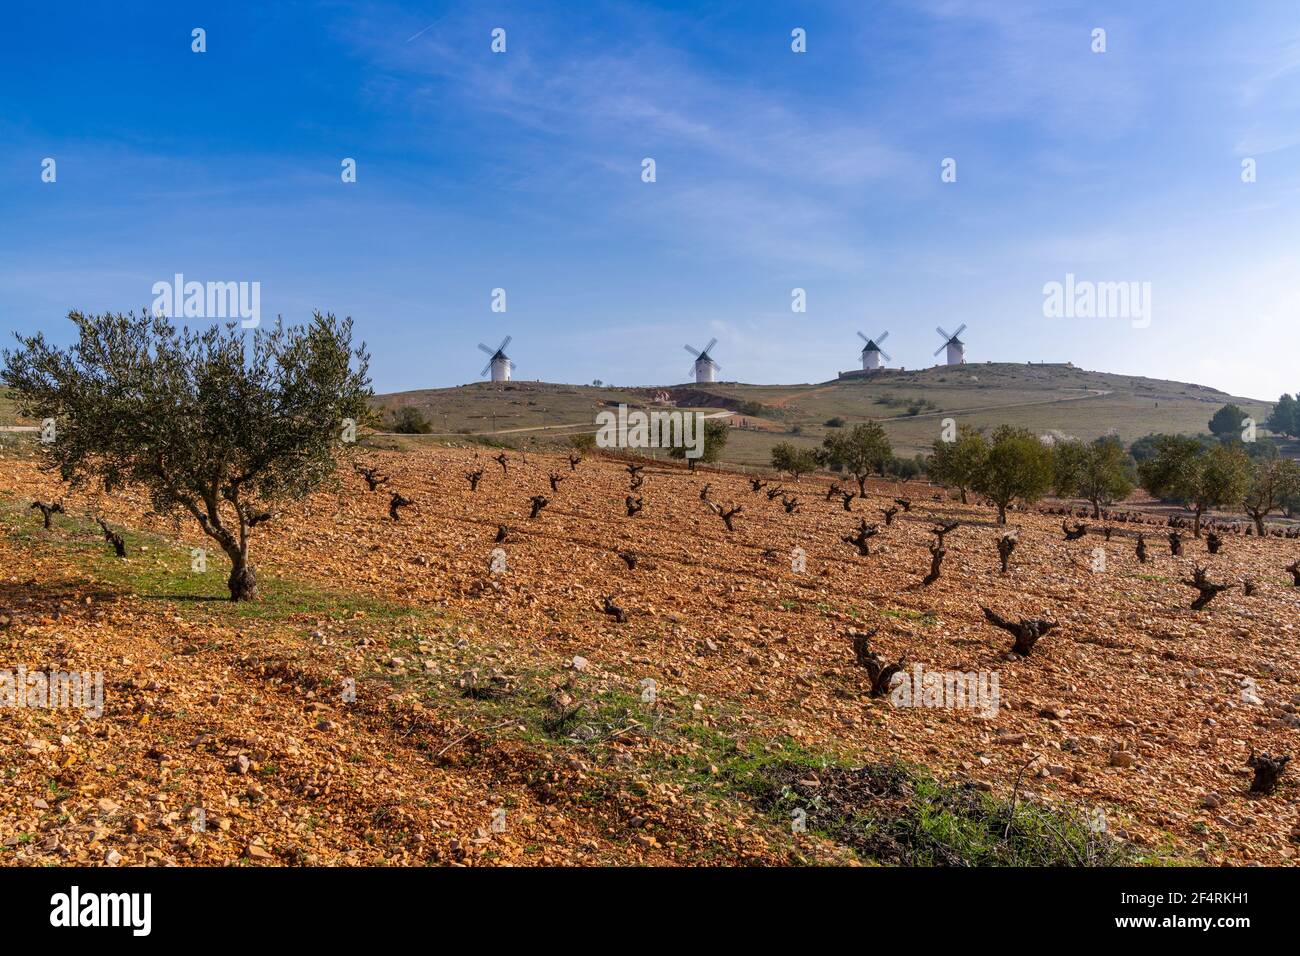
[910, 404]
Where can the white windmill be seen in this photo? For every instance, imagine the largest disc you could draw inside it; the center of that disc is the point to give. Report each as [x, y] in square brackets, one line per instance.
[955, 346]
[499, 363]
[704, 368]
[872, 352]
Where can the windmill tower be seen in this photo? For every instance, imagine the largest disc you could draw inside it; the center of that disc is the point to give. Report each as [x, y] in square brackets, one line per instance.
[955, 346]
[872, 352]
[705, 368]
[499, 363]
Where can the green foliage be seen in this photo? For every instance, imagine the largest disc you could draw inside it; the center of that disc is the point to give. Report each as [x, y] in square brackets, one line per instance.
[1226, 422]
[205, 421]
[1183, 470]
[1164, 472]
[1019, 466]
[905, 469]
[584, 442]
[1285, 418]
[407, 420]
[892, 813]
[914, 406]
[1146, 447]
[716, 433]
[1100, 472]
[793, 459]
[860, 451]
[957, 463]
[1274, 484]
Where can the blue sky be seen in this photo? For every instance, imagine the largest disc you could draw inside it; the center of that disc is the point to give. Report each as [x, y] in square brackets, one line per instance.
[775, 170]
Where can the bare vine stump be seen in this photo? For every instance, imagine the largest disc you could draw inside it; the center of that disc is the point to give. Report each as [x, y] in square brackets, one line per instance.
[880, 673]
[1075, 533]
[1006, 544]
[1268, 772]
[373, 478]
[936, 564]
[1027, 632]
[1208, 590]
[727, 515]
[1294, 568]
[862, 538]
[46, 510]
[944, 529]
[614, 611]
[113, 538]
[398, 502]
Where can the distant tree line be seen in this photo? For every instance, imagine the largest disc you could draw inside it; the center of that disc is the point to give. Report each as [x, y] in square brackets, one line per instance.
[1223, 470]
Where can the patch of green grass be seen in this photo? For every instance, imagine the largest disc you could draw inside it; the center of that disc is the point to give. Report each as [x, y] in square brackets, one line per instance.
[926, 618]
[896, 814]
[158, 569]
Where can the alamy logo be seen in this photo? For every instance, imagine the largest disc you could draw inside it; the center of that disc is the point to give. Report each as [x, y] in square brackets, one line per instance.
[103, 909]
[53, 690]
[1084, 299]
[656, 429]
[209, 300]
[973, 690]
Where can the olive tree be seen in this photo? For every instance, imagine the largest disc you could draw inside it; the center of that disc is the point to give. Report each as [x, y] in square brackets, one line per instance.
[957, 463]
[206, 422]
[714, 435]
[1018, 466]
[861, 451]
[1100, 472]
[1183, 470]
[1274, 482]
[791, 458]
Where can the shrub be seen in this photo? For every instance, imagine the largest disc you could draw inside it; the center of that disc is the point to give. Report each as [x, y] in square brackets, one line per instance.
[407, 420]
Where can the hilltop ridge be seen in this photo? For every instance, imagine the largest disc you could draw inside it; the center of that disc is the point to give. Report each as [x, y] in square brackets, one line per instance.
[1057, 398]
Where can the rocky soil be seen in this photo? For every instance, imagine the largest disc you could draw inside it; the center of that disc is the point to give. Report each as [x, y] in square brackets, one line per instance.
[401, 727]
